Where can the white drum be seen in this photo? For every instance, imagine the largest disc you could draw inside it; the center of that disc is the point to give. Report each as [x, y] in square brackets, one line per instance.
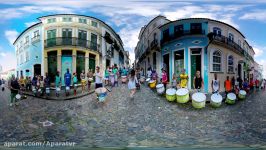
[101, 94]
[198, 100]
[90, 79]
[160, 88]
[40, 90]
[216, 100]
[47, 90]
[182, 95]
[58, 89]
[170, 94]
[67, 88]
[231, 98]
[34, 90]
[75, 86]
[242, 94]
[18, 97]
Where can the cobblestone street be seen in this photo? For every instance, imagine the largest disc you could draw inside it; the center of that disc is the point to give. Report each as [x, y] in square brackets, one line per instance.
[147, 120]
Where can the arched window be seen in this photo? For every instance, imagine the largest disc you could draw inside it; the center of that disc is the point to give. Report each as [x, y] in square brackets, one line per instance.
[231, 37]
[216, 61]
[217, 31]
[230, 64]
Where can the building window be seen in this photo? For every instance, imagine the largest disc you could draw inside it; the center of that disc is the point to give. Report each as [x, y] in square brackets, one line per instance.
[94, 24]
[216, 61]
[82, 20]
[239, 43]
[196, 28]
[67, 19]
[51, 20]
[27, 56]
[231, 37]
[166, 34]
[217, 31]
[27, 40]
[179, 29]
[36, 33]
[230, 63]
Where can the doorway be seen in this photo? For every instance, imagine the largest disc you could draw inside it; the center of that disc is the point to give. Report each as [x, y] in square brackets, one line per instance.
[37, 69]
[92, 62]
[239, 69]
[66, 63]
[80, 64]
[52, 65]
[178, 62]
[166, 64]
[195, 59]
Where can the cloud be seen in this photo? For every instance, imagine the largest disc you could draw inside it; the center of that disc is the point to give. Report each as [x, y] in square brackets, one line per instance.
[6, 57]
[259, 15]
[28, 24]
[11, 35]
[263, 63]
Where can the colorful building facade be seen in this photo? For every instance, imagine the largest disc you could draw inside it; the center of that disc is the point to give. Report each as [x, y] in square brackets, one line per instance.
[68, 41]
[185, 44]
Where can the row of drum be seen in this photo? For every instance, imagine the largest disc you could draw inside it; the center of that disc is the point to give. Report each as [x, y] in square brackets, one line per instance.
[198, 99]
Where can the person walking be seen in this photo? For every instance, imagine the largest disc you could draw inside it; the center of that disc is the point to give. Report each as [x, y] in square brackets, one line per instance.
[198, 82]
[132, 83]
[98, 78]
[83, 80]
[90, 79]
[183, 79]
[14, 88]
[67, 78]
[57, 84]
[116, 74]
[75, 83]
[215, 84]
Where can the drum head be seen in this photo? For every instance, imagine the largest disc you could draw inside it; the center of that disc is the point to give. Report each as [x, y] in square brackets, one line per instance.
[18, 96]
[217, 98]
[242, 92]
[170, 91]
[199, 97]
[57, 89]
[182, 92]
[231, 96]
[159, 86]
[147, 80]
[67, 88]
[100, 90]
[90, 79]
[152, 81]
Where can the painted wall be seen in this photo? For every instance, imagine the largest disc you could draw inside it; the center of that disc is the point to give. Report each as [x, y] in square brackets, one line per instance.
[34, 49]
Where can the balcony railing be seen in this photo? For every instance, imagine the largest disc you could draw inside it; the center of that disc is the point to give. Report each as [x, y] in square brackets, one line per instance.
[71, 41]
[228, 43]
[35, 39]
[182, 33]
[154, 44]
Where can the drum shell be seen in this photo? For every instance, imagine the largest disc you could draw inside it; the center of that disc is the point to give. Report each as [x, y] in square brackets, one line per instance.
[241, 96]
[197, 104]
[229, 100]
[124, 79]
[171, 97]
[215, 103]
[160, 90]
[182, 98]
[152, 84]
[47, 90]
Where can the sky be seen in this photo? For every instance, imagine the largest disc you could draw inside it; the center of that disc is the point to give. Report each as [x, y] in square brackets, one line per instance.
[127, 18]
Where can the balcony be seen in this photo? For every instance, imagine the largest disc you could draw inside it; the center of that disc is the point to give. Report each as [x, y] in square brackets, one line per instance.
[180, 34]
[26, 45]
[35, 39]
[71, 41]
[226, 42]
[154, 45]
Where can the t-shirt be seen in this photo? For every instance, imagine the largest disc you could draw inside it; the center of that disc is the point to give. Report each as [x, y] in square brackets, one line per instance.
[15, 86]
[164, 77]
[198, 82]
[67, 79]
[184, 79]
[215, 84]
[57, 81]
[75, 80]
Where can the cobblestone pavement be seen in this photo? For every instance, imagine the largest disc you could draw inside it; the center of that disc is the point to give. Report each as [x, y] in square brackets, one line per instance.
[147, 120]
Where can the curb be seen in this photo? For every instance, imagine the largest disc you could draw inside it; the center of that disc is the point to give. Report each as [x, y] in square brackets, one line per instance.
[59, 98]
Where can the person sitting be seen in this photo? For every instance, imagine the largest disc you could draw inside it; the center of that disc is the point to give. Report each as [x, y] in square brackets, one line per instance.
[198, 82]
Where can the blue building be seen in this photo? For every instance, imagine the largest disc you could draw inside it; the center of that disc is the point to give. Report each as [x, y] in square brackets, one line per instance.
[183, 44]
[29, 49]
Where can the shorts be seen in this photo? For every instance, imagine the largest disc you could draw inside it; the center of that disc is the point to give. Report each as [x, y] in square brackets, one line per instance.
[83, 82]
[98, 85]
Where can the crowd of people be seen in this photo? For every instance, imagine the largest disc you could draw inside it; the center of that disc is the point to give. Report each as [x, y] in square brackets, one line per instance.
[41, 86]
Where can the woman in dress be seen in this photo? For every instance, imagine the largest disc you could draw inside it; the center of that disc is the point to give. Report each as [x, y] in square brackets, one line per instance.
[132, 83]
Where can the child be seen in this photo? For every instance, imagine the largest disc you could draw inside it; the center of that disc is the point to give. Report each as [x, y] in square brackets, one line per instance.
[90, 78]
[164, 78]
[174, 81]
[132, 83]
[75, 83]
